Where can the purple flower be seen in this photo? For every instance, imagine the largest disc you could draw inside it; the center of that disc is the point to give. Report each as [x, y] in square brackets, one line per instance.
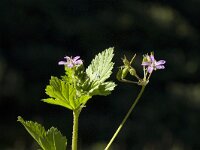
[151, 64]
[71, 62]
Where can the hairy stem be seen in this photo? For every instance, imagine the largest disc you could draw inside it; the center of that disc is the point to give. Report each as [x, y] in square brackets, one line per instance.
[125, 118]
[75, 129]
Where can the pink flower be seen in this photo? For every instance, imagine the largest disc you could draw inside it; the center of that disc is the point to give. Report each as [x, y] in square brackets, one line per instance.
[71, 62]
[151, 64]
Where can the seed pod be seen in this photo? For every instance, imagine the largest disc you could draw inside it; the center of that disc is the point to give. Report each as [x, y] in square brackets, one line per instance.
[119, 74]
[132, 72]
[124, 72]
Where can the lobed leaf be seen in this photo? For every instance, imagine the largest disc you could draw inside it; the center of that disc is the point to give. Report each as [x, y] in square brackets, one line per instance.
[51, 139]
[64, 94]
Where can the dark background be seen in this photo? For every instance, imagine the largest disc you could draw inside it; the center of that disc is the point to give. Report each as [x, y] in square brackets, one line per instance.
[36, 34]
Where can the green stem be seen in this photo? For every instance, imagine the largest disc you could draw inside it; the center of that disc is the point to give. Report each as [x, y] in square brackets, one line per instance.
[125, 118]
[75, 129]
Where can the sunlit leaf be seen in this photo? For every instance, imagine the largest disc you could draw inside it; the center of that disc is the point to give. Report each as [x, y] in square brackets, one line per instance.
[101, 66]
[98, 72]
[64, 94]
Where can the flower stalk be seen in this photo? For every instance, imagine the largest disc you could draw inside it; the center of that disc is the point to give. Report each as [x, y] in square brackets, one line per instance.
[125, 118]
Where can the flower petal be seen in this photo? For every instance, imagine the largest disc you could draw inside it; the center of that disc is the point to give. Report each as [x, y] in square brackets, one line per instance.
[160, 67]
[152, 58]
[62, 63]
[76, 58]
[160, 62]
[150, 69]
[78, 62]
[68, 58]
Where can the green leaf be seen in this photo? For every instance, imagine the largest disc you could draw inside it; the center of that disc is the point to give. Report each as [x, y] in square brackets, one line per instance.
[101, 66]
[103, 89]
[51, 139]
[98, 72]
[64, 94]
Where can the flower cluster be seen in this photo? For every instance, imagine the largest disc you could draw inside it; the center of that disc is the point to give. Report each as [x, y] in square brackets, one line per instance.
[149, 64]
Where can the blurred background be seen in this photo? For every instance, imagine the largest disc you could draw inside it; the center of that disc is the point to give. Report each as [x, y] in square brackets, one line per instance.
[36, 34]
